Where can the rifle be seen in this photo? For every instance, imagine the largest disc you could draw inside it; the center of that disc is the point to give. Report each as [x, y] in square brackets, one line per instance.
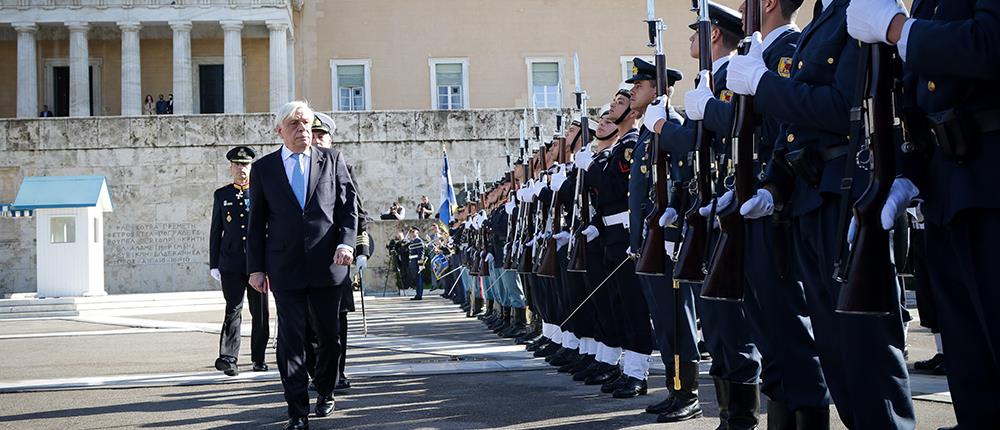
[548, 267]
[577, 241]
[871, 283]
[653, 256]
[524, 265]
[542, 219]
[689, 261]
[725, 279]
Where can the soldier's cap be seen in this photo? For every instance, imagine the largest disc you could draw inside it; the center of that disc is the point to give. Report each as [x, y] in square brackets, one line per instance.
[323, 122]
[593, 124]
[241, 154]
[415, 228]
[642, 70]
[725, 18]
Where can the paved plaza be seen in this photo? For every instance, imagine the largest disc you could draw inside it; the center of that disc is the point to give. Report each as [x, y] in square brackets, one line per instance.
[422, 365]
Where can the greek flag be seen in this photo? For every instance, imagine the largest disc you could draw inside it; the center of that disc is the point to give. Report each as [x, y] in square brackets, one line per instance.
[448, 202]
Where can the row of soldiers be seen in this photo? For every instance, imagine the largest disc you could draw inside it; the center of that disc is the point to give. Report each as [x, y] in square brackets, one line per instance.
[812, 313]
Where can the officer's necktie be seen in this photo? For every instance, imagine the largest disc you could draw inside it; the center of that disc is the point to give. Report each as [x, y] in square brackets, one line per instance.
[299, 180]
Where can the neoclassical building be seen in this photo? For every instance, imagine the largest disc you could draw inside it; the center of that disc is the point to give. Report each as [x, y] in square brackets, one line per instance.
[102, 57]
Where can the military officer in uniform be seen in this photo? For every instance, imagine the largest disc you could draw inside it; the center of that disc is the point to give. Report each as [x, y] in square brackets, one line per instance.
[227, 259]
[950, 55]
[861, 355]
[415, 252]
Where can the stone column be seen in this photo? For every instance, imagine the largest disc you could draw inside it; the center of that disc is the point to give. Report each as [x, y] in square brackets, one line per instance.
[79, 65]
[27, 70]
[183, 104]
[278, 66]
[291, 67]
[233, 66]
[131, 71]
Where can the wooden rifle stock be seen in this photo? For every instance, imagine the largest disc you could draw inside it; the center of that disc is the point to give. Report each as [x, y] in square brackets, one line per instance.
[871, 278]
[653, 256]
[524, 262]
[541, 223]
[548, 266]
[725, 279]
[578, 243]
[690, 260]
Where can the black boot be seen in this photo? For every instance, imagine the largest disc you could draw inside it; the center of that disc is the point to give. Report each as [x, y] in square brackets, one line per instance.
[811, 418]
[489, 310]
[744, 406]
[548, 350]
[630, 387]
[477, 307]
[503, 322]
[539, 343]
[612, 385]
[558, 355]
[722, 396]
[581, 362]
[665, 404]
[685, 405]
[610, 372]
[779, 417]
[568, 357]
[517, 328]
[592, 369]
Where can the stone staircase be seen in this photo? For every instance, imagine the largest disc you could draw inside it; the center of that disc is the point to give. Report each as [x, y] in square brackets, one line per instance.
[25, 306]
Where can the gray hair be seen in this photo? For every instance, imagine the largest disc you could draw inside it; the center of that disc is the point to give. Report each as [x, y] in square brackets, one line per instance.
[288, 109]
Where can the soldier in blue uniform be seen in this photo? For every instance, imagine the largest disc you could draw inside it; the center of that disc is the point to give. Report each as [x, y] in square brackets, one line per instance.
[862, 356]
[776, 304]
[227, 260]
[950, 55]
[415, 253]
[735, 359]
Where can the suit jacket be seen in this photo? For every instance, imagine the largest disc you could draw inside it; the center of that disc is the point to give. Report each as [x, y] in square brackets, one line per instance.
[292, 245]
[228, 235]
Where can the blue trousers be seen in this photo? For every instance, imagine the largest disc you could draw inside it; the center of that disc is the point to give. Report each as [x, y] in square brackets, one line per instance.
[862, 355]
[659, 294]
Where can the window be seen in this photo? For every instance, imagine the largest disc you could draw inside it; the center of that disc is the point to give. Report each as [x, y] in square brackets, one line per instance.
[350, 82]
[62, 229]
[449, 83]
[545, 84]
[626, 62]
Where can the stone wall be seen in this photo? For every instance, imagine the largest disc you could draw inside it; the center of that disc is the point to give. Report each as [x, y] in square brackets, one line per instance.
[162, 171]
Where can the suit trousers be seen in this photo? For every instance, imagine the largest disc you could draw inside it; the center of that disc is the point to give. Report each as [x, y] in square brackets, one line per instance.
[633, 314]
[321, 307]
[660, 298]
[234, 286]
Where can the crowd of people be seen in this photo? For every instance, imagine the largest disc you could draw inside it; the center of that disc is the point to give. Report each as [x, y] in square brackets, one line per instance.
[770, 220]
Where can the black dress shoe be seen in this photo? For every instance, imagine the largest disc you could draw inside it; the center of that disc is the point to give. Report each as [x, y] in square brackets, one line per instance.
[930, 363]
[612, 385]
[630, 387]
[538, 344]
[342, 384]
[416, 298]
[227, 365]
[297, 424]
[324, 405]
[581, 362]
[610, 373]
[260, 367]
[558, 355]
[683, 409]
[568, 357]
[663, 405]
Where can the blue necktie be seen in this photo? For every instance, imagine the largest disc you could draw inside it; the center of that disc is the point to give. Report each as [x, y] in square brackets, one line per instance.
[299, 181]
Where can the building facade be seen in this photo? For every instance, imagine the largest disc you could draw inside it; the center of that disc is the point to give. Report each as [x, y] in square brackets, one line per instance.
[102, 57]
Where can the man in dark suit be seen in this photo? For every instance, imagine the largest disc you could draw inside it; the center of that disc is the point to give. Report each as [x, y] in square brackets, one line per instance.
[301, 236]
[228, 259]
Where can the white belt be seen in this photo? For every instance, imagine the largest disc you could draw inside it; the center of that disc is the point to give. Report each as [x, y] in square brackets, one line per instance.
[618, 218]
[412, 257]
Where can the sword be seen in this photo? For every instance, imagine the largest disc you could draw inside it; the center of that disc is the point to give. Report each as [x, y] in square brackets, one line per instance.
[627, 258]
[364, 316]
[457, 279]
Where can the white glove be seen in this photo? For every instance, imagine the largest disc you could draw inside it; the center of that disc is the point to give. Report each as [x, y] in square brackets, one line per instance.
[583, 159]
[656, 111]
[361, 262]
[536, 189]
[557, 180]
[868, 20]
[901, 194]
[760, 205]
[669, 217]
[591, 233]
[745, 71]
[216, 274]
[489, 257]
[562, 238]
[696, 99]
[522, 194]
[720, 204]
[509, 207]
